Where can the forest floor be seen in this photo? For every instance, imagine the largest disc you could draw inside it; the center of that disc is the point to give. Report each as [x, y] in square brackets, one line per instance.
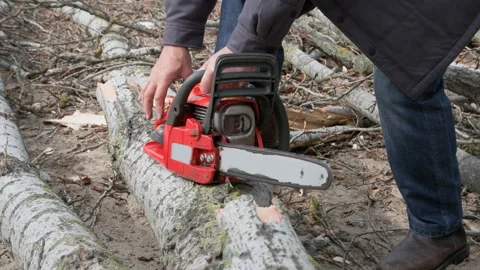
[363, 197]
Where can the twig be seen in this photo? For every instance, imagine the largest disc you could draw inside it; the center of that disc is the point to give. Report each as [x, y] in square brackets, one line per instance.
[117, 66]
[362, 234]
[99, 201]
[89, 148]
[357, 84]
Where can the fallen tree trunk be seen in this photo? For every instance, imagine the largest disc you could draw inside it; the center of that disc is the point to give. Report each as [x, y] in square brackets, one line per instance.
[463, 80]
[184, 215]
[346, 57]
[307, 64]
[469, 170]
[365, 103]
[35, 224]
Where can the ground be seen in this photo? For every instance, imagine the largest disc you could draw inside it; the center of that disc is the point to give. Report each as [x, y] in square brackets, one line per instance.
[362, 214]
[363, 197]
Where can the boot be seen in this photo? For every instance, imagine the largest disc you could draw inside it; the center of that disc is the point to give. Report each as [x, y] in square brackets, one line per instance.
[423, 253]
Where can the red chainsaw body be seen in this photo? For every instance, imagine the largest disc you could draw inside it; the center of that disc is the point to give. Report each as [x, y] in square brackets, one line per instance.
[183, 146]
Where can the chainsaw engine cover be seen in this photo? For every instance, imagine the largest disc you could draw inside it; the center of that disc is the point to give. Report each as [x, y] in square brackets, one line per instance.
[235, 121]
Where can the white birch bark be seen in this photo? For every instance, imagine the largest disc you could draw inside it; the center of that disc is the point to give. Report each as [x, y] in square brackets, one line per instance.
[184, 215]
[41, 231]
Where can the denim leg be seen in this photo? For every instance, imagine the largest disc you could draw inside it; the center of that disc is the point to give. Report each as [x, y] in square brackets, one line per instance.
[421, 146]
[230, 11]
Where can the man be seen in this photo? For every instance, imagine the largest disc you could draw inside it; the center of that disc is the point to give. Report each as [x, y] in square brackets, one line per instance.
[411, 43]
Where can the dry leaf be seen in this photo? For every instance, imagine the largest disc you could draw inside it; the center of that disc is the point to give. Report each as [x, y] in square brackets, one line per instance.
[79, 120]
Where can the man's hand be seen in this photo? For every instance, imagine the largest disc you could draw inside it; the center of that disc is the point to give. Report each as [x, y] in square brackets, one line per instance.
[209, 67]
[174, 63]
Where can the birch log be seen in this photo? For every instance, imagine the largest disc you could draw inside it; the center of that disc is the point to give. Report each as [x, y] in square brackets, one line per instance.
[365, 103]
[41, 231]
[197, 226]
[328, 45]
[463, 80]
[307, 64]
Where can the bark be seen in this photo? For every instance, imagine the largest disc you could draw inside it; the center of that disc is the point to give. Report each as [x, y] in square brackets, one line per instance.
[184, 215]
[112, 40]
[324, 25]
[476, 38]
[39, 228]
[469, 165]
[311, 137]
[469, 170]
[463, 80]
[308, 65]
[328, 45]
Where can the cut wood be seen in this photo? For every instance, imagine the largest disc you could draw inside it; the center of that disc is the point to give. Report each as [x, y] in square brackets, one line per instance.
[184, 215]
[41, 231]
[318, 118]
[80, 120]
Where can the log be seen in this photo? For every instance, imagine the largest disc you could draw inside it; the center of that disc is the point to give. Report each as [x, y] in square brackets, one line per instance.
[197, 226]
[346, 57]
[459, 78]
[476, 38]
[40, 230]
[359, 99]
[307, 64]
[310, 137]
[324, 25]
[463, 80]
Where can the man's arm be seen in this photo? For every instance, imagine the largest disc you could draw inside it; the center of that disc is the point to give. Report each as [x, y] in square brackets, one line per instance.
[184, 29]
[185, 22]
[260, 29]
[263, 24]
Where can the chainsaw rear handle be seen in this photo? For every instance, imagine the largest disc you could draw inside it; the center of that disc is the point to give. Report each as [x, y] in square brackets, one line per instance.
[177, 108]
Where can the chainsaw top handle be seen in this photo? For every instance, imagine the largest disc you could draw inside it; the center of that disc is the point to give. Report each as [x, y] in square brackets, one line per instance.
[262, 83]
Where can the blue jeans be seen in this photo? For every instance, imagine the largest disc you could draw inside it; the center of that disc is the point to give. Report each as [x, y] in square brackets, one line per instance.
[419, 139]
[230, 11]
[421, 146]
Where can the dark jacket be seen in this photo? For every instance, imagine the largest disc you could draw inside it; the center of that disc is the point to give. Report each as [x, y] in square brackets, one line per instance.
[411, 41]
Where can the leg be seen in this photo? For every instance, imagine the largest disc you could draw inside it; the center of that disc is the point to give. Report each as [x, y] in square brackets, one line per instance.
[230, 11]
[421, 147]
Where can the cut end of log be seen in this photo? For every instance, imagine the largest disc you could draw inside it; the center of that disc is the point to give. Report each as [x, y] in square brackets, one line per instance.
[108, 92]
[268, 214]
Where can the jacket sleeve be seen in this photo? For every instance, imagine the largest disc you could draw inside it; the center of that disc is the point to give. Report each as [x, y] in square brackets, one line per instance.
[263, 24]
[185, 22]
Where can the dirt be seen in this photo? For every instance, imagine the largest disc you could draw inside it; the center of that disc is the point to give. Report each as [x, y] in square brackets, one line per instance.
[362, 213]
[363, 197]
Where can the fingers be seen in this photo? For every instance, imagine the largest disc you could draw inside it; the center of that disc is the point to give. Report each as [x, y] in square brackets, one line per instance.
[147, 100]
[159, 98]
[206, 82]
[142, 92]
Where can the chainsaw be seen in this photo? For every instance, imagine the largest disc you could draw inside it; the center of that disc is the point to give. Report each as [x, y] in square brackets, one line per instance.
[217, 137]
